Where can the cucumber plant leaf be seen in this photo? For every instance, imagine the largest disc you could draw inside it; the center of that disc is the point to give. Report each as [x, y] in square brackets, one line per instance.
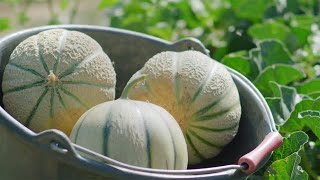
[279, 73]
[283, 101]
[311, 88]
[294, 142]
[287, 168]
[305, 115]
[239, 62]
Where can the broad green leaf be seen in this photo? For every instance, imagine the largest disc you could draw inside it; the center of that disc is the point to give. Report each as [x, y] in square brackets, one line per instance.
[4, 24]
[311, 87]
[250, 9]
[106, 3]
[294, 142]
[305, 114]
[298, 38]
[270, 30]
[255, 56]
[302, 21]
[242, 64]
[274, 104]
[287, 168]
[279, 73]
[283, 102]
[274, 52]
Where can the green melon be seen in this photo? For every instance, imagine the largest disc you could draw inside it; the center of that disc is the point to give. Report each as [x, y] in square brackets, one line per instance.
[200, 94]
[133, 132]
[53, 77]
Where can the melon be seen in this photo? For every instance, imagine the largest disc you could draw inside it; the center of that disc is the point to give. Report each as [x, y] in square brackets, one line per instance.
[53, 77]
[200, 94]
[133, 132]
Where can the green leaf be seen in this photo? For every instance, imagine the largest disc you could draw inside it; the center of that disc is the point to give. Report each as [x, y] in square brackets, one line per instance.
[106, 3]
[255, 56]
[305, 114]
[274, 52]
[279, 73]
[294, 142]
[22, 18]
[287, 168]
[311, 87]
[63, 4]
[283, 102]
[242, 64]
[274, 104]
[250, 9]
[4, 24]
[270, 30]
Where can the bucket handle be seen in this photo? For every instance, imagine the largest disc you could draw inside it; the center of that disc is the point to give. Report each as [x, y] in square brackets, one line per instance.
[251, 160]
[247, 163]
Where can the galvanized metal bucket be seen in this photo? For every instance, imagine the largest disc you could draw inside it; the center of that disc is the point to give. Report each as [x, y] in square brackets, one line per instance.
[50, 155]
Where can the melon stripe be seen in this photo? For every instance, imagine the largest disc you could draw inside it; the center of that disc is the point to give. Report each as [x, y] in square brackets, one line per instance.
[106, 131]
[24, 87]
[213, 115]
[85, 83]
[45, 66]
[205, 82]
[62, 41]
[204, 141]
[51, 102]
[34, 72]
[60, 99]
[77, 65]
[213, 129]
[68, 93]
[171, 137]
[208, 107]
[35, 107]
[147, 133]
[198, 154]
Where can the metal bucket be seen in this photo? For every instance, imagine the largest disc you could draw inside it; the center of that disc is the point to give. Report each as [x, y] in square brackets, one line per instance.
[50, 155]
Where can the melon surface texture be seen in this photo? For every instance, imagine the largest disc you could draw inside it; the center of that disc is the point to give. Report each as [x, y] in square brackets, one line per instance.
[133, 132]
[53, 77]
[199, 93]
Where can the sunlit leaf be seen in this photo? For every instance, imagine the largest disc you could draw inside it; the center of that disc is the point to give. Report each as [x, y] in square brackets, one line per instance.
[106, 3]
[270, 30]
[294, 142]
[4, 24]
[250, 9]
[287, 168]
[279, 73]
[305, 114]
[311, 87]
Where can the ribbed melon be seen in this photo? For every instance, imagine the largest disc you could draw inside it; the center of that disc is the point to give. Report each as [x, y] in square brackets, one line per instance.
[53, 77]
[200, 94]
[134, 132]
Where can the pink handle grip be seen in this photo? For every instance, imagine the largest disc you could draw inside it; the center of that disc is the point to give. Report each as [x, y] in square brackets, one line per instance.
[270, 143]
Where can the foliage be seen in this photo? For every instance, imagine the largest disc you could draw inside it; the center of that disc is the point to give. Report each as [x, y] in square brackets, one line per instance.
[275, 44]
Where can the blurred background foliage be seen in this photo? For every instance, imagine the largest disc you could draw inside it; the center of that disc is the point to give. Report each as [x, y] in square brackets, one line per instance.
[274, 43]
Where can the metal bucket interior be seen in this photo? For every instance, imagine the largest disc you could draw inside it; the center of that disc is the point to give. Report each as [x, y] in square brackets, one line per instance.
[34, 156]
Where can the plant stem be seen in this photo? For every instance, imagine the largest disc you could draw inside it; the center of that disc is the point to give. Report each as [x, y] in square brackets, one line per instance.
[131, 84]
